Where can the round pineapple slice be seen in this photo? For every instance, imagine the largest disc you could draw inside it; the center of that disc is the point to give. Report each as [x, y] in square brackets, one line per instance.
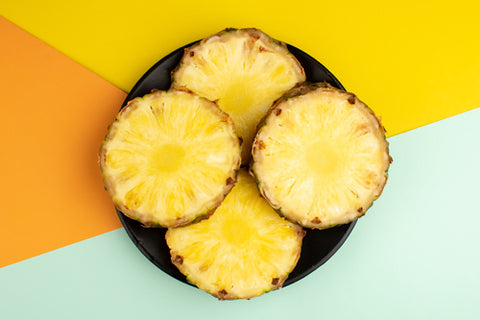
[169, 158]
[320, 156]
[242, 251]
[244, 71]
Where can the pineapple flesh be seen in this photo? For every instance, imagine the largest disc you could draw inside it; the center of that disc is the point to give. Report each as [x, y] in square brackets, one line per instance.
[320, 156]
[170, 157]
[244, 71]
[241, 251]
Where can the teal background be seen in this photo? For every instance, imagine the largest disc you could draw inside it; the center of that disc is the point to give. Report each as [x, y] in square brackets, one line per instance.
[415, 255]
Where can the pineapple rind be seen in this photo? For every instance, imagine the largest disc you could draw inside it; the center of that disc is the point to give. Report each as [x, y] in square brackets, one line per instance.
[268, 186]
[242, 251]
[138, 189]
[237, 68]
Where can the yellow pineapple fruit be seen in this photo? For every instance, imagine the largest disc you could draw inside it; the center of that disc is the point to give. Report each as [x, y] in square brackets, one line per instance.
[169, 158]
[320, 156]
[241, 251]
[244, 71]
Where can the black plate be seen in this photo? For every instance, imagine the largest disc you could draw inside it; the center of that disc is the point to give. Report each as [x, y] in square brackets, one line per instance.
[318, 246]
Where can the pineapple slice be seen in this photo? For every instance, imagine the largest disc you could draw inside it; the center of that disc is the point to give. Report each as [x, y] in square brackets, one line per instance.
[169, 158]
[245, 71]
[320, 156]
[243, 250]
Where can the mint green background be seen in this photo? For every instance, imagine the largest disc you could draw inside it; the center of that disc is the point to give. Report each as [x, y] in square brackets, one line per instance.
[415, 255]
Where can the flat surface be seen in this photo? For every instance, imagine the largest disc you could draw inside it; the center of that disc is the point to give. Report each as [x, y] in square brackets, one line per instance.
[413, 256]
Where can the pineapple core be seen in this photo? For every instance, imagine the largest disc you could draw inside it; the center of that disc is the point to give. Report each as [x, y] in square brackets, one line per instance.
[323, 159]
[167, 158]
[233, 234]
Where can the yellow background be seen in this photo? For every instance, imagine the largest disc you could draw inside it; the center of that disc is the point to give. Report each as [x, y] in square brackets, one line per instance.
[413, 62]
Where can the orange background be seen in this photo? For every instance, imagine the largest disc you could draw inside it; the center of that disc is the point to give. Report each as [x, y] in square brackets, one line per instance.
[51, 192]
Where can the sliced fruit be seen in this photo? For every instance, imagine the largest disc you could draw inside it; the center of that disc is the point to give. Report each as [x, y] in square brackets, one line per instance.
[245, 71]
[320, 156]
[169, 158]
[243, 250]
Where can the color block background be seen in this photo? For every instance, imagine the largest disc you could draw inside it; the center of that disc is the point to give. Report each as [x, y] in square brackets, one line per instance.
[414, 255]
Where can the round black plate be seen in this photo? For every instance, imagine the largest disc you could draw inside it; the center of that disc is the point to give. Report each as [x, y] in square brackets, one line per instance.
[318, 246]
